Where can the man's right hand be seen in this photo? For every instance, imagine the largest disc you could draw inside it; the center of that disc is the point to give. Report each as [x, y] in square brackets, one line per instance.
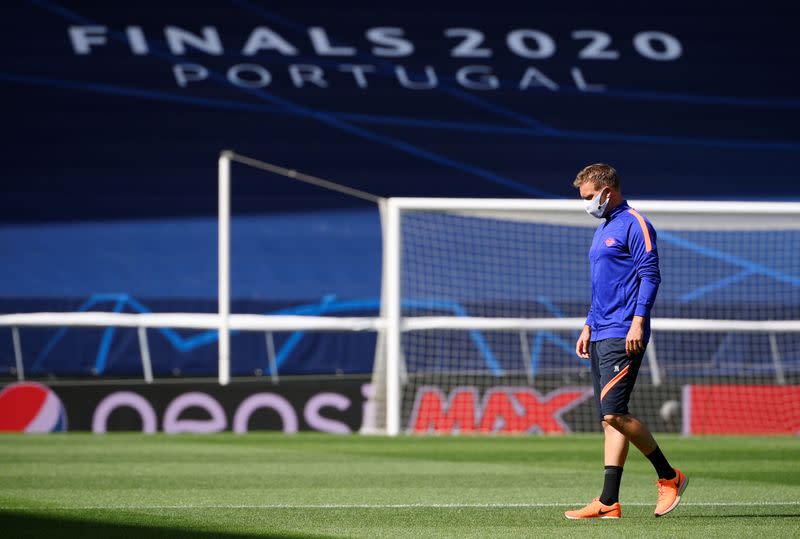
[582, 346]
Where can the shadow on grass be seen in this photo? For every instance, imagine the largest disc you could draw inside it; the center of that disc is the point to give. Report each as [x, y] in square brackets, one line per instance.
[27, 524]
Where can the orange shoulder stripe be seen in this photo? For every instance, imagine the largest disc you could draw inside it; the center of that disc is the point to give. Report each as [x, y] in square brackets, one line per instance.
[648, 245]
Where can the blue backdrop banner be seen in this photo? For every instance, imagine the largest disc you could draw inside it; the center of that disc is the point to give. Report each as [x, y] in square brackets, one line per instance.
[115, 112]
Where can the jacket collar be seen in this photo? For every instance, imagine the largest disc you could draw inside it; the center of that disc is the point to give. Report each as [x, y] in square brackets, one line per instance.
[617, 210]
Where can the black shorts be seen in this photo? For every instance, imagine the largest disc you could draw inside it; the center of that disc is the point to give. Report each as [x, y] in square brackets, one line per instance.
[613, 375]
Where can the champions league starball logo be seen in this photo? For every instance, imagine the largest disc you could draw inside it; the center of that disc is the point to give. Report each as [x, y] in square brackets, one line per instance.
[31, 407]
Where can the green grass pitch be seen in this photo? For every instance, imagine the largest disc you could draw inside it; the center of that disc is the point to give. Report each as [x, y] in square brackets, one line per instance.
[310, 485]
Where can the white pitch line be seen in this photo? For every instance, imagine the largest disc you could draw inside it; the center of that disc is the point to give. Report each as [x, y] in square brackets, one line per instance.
[388, 506]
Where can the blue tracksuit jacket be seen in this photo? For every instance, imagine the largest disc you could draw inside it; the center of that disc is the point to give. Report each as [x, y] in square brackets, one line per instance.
[625, 276]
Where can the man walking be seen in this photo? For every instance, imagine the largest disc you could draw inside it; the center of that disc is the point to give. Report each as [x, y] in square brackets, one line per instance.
[625, 277]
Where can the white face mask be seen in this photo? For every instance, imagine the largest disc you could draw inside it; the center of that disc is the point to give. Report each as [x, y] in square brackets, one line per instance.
[594, 208]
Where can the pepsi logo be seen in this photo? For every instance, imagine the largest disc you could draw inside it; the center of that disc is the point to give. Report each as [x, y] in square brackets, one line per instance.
[31, 407]
[610, 242]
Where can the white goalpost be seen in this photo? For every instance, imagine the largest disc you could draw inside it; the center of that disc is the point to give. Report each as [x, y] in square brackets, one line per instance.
[267, 323]
[224, 267]
[224, 322]
[482, 300]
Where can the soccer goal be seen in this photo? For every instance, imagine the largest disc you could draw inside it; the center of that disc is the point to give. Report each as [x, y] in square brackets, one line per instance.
[484, 299]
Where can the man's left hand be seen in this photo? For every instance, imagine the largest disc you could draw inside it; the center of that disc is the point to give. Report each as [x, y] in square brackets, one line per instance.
[634, 342]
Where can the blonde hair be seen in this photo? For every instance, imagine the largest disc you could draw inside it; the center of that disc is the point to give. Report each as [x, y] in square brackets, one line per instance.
[600, 174]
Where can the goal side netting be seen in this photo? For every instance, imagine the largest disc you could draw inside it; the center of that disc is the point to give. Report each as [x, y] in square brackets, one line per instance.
[484, 299]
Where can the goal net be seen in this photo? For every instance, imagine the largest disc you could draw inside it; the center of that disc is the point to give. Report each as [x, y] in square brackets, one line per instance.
[484, 300]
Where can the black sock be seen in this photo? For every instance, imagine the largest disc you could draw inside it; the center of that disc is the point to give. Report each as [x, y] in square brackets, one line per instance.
[610, 493]
[663, 469]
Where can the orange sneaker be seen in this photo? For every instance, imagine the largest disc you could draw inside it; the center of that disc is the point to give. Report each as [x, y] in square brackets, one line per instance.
[596, 509]
[669, 493]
